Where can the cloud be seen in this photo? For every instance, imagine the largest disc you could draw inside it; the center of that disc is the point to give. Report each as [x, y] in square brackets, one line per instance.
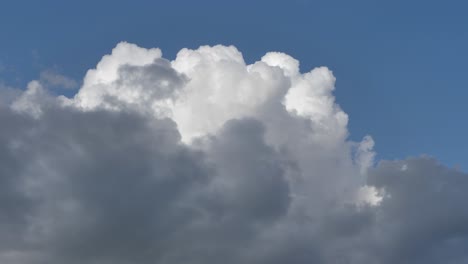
[8, 95]
[53, 79]
[206, 159]
[422, 215]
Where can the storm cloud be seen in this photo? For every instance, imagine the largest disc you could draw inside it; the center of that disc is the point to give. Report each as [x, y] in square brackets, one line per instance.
[206, 159]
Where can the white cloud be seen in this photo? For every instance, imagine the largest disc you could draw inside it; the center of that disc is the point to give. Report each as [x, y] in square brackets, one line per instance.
[98, 82]
[212, 85]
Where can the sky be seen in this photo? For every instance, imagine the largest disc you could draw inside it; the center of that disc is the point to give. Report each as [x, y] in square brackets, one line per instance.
[399, 64]
[137, 132]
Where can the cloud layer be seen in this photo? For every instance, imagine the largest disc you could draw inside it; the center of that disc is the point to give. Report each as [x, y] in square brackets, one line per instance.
[205, 159]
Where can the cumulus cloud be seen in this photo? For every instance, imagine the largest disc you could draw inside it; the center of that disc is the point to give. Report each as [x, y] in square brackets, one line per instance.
[207, 159]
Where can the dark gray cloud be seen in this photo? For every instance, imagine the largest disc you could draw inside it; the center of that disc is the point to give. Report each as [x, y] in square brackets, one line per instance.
[423, 217]
[118, 187]
[108, 187]
[158, 80]
[13, 206]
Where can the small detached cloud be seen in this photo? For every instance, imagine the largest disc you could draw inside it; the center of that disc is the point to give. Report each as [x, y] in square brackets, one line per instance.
[53, 79]
[207, 159]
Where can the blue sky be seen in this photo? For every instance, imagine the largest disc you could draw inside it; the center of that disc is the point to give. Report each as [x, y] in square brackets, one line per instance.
[400, 65]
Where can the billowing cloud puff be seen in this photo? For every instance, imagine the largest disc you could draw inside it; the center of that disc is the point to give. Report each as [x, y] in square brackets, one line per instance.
[205, 159]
